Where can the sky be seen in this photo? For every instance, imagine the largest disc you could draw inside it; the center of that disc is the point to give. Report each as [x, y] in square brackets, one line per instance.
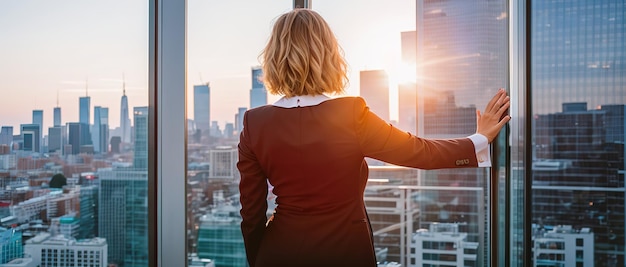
[54, 52]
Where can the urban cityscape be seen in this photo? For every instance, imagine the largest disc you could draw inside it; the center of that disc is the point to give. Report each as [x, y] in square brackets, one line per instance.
[76, 193]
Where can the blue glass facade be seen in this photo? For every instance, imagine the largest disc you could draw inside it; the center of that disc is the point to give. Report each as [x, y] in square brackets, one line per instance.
[578, 95]
[258, 93]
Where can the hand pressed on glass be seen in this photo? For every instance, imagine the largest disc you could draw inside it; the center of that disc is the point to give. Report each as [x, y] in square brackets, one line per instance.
[494, 117]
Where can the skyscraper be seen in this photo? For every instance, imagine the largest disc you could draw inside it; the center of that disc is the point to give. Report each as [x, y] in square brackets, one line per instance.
[55, 139]
[6, 135]
[202, 106]
[57, 116]
[100, 129]
[123, 215]
[84, 119]
[239, 119]
[577, 77]
[140, 160]
[124, 117]
[375, 91]
[31, 136]
[78, 136]
[38, 118]
[84, 103]
[258, 93]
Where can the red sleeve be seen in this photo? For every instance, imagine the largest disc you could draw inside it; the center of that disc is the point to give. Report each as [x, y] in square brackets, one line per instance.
[380, 140]
[253, 195]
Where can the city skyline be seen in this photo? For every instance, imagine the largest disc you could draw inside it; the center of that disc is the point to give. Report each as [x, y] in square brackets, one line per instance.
[103, 56]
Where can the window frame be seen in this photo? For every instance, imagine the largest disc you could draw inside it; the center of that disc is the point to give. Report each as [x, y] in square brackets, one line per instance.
[167, 132]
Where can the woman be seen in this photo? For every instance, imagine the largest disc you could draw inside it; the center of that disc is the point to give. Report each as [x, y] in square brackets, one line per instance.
[311, 148]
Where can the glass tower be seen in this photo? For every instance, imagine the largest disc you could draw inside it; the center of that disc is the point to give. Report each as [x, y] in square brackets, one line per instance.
[140, 160]
[578, 101]
[202, 106]
[123, 215]
[258, 93]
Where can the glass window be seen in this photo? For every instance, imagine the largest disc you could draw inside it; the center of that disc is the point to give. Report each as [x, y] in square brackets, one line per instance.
[73, 136]
[424, 66]
[578, 128]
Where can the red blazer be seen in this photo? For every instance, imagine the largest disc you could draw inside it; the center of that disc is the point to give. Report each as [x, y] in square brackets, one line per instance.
[314, 158]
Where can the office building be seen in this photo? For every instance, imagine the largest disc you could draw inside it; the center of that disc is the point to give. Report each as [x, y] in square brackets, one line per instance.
[442, 244]
[202, 106]
[562, 246]
[375, 90]
[88, 211]
[223, 162]
[258, 93]
[115, 144]
[100, 129]
[55, 139]
[140, 159]
[220, 238]
[123, 215]
[125, 118]
[56, 117]
[84, 112]
[47, 250]
[578, 171]
[38, 118]
[6, 135]
[78, 136]
[241, 111]
[31, 137]
[10, 245]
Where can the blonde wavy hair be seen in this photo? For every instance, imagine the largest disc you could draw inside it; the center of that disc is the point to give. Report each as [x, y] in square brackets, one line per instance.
[303, 57]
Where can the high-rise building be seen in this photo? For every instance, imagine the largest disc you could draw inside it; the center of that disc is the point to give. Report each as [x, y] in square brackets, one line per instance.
[140, 160]
[38, 118]
[576, 172]
[31, 137]
[100, 129]
[57, 116]
[220, 238]
[202, 106]
[10, 245]
[47, 250]
[123, 215]
[258, 93]
[84, 112]
[577, 76]
[85, 120]
[375, 90]
[125, 118]
[55, 139]
[78, 136]
[6, 135]
[88, 211]
[239, 119]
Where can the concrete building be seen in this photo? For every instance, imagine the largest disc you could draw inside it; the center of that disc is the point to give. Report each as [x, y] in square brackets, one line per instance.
[563, 246]
[47, 250]
[442, 245]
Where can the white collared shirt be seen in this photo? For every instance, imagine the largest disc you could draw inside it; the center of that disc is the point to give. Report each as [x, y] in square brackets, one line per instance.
[481, 144]
[300, 101]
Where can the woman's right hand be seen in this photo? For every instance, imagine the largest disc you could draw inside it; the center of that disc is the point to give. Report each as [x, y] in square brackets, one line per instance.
[495, 116]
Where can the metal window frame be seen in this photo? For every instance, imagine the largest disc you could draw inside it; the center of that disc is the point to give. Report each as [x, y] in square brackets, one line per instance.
[167, 132]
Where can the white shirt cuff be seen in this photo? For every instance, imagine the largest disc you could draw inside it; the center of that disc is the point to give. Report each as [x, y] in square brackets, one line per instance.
[481, 144]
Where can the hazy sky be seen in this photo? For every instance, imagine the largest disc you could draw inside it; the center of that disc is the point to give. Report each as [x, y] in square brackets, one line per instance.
[65, 47]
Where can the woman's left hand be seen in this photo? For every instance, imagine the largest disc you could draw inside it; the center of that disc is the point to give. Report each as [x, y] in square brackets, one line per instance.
[495, 116]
